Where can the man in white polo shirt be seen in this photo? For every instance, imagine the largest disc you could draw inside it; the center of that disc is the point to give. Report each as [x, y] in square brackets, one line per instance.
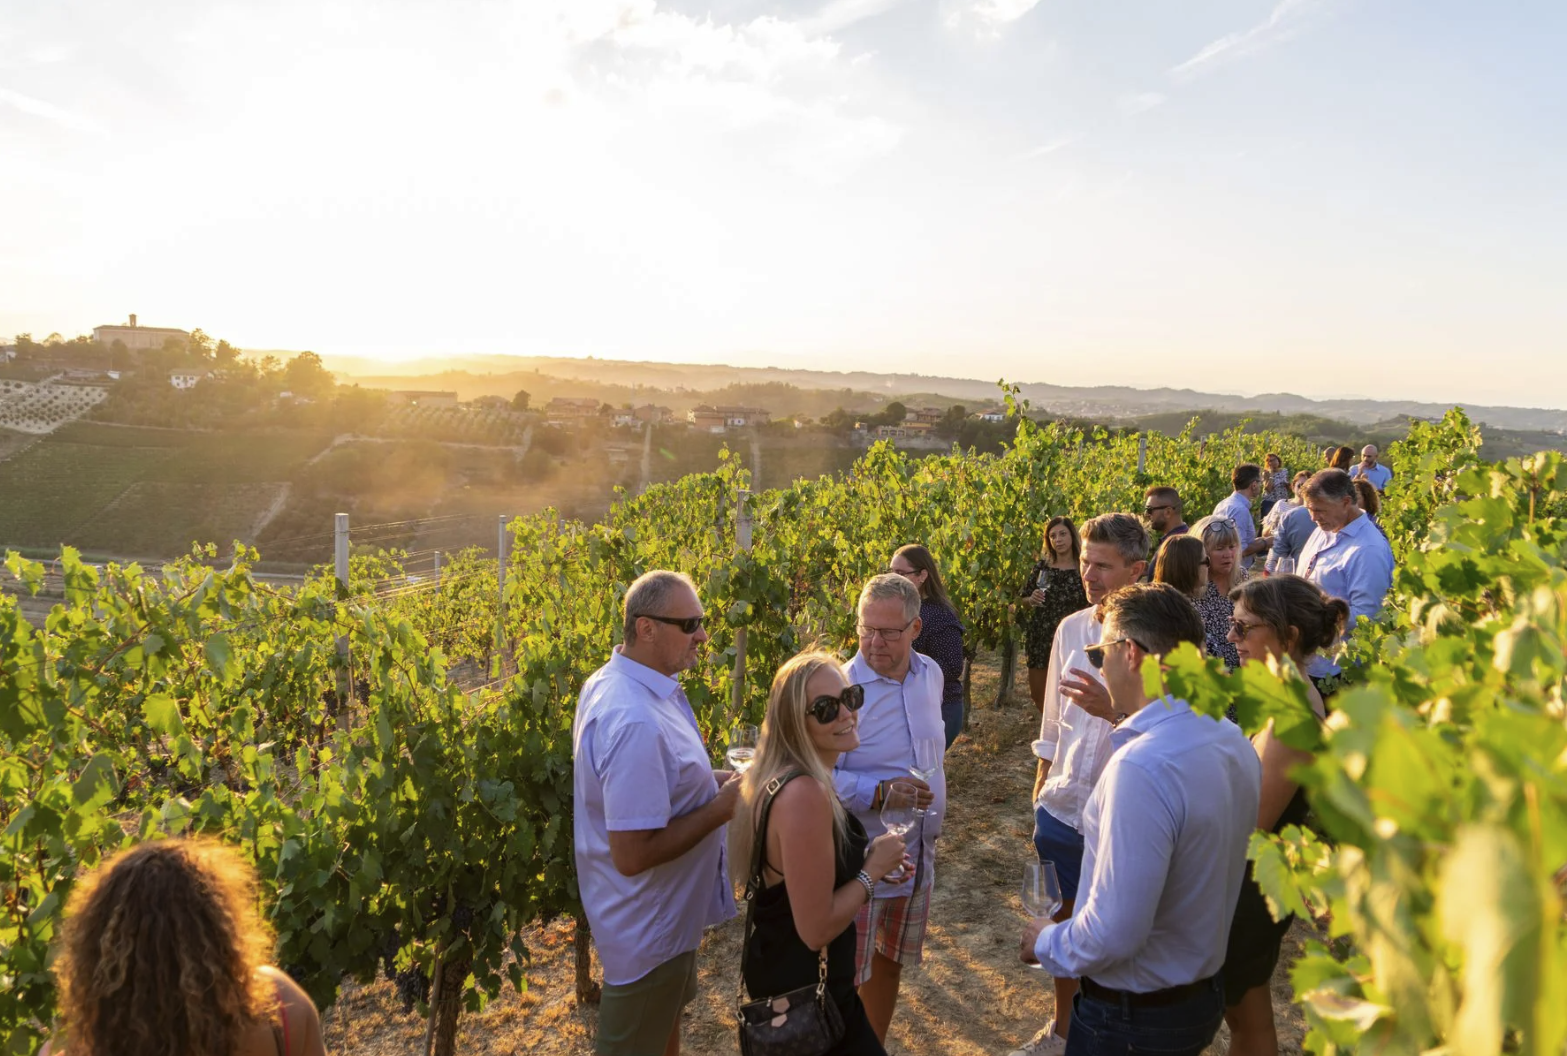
[1074, 732]
[650, 814]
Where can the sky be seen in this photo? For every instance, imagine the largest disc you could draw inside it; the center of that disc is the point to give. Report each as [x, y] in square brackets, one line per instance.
[1327, 197]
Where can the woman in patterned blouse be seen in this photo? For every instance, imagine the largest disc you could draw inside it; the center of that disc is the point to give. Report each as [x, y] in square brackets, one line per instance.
[1225, 573]
[1275, 483]
[1054, 591]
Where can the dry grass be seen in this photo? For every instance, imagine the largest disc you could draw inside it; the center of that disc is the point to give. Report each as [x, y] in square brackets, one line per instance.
[972, 997]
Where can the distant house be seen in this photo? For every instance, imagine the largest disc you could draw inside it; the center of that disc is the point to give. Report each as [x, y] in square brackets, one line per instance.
[421, 398]
[563, 410]
[134, 337]
[624, 419]
[654, 415]
[716, 419]
[991, 415]
[184, 380]
[926, 415]
[490, 403]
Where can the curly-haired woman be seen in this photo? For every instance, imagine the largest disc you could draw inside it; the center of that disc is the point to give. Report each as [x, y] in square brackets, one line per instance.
[164, 952]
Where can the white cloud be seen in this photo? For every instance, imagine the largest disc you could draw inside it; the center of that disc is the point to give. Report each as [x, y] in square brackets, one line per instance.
[841, 14]
[48, 112]
[1139, 102]
[1051, 147]
[1286, 19]
[989, 18]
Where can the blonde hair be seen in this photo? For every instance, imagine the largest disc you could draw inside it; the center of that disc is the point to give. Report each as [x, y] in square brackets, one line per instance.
[785, 745]
[161, 951]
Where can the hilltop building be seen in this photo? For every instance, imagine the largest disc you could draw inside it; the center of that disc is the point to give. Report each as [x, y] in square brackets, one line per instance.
[717, 419]
[565, 410]
[138, 337]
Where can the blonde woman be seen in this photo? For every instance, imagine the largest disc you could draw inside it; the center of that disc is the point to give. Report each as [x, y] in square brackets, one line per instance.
[1223, 545]
[817, 866]
[164, 952]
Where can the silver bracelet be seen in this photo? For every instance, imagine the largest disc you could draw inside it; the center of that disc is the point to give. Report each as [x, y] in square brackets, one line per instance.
[870, 885]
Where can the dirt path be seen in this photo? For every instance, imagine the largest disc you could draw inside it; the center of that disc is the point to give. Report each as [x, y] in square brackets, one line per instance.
[268, 515]
[972, 997]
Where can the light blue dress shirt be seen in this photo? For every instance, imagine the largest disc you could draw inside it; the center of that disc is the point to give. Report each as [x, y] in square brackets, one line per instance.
[1164, 854]
[1379, 476]
[640, 763]
[1295, 527]
[1238, 509]
[894, 714]
[1354, 563]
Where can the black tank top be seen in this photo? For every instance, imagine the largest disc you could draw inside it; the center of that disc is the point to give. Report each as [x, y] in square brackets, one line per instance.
[778, 960]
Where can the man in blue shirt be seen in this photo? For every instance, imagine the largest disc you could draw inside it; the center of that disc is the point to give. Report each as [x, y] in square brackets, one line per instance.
[1347, 556]
[650, 816]
[1165, 835]
[1246, 479]
[1376, 474]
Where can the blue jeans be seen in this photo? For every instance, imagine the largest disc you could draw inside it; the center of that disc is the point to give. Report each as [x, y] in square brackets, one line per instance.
[1103, 1028]
[952, 719]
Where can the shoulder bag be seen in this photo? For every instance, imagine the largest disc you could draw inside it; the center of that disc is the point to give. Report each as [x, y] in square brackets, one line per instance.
[803, 1022]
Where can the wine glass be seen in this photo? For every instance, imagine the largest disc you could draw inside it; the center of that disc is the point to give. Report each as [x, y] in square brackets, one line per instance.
[897, 817]
[928, 752]
[741, 752]
[1284, 566]
[1041, 888]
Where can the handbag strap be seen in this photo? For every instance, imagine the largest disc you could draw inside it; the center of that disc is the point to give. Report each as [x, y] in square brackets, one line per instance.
[753, 883]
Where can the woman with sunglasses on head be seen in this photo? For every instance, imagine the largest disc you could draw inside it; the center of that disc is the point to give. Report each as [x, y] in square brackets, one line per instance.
[1222, 546]
[1053, 592]
[818, 869]
[941, 632]
[1287, 619]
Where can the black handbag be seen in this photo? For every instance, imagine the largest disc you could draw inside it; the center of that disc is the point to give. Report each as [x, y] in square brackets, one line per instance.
[802, 1022]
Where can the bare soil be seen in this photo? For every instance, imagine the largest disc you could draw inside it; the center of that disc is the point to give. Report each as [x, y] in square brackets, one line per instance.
[972, 996]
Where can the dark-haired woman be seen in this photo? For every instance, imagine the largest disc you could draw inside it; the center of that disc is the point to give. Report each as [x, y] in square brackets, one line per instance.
[1343, 458]
[1275, 483]
[1288, 619]
[1369, 501]
[818, 867]
[1054, 591]
[941, 632]
[163, 952]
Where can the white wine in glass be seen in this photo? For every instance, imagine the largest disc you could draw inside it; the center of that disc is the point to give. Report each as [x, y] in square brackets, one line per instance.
[741, 752]
[897, 817]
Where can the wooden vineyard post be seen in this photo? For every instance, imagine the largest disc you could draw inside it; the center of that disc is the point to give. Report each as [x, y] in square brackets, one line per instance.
[742, 545]
[1142, 454]
[507, 662]
[587, 991]
[340, 563]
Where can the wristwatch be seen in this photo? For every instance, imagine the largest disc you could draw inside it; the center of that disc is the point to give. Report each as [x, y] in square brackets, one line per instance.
[870, 885]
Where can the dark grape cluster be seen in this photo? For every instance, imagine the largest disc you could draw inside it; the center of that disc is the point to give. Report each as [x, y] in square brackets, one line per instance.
[391, 942]
[413, 986]
[462, 917]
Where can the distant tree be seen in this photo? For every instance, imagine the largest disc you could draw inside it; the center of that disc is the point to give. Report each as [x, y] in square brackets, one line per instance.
[200, 345]
[225, 354]
[305, 375]
[951, 423]
[839, 420]
[26, 347]
[54, 339]
[119, 356]
[894, 413]
[520, 401]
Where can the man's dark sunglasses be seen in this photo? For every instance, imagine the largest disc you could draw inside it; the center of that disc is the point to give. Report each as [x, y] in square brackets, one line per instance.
[1156, 509]
[1096, 653]
[687, 624]
[825, 709]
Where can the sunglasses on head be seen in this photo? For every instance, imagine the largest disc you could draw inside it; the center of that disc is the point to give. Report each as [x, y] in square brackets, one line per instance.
[687, 624]
[1096, 653]
[824, 709]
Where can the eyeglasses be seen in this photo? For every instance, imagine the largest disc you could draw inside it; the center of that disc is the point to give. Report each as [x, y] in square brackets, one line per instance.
[1240, 628]
[887, 634]
[824, 709]
[1096, 653]
[1156, 509]
[687, 624]
[904, 572]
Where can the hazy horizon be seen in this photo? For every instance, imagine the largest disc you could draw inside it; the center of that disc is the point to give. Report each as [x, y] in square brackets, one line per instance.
[1331, 198]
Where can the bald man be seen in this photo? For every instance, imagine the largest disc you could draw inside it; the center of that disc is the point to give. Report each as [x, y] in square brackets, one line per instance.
[1376, 475]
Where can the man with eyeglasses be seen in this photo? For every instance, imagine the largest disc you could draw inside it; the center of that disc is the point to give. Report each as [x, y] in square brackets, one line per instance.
[1346, 555]
[1074, 735]
[1369, 469]
[902, 709]
[1162, 510]
[650, 816]
[1165, 835]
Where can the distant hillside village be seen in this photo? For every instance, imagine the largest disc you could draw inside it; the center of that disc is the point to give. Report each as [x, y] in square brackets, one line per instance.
[118, 373]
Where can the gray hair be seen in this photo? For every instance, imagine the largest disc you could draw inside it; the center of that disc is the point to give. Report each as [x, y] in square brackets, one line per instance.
[889, 587]
[1122, 531]
[1331, 484]
[649, 595]
[1221, 529]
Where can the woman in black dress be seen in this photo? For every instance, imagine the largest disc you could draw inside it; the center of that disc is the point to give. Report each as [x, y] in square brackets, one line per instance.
[1054, 591]
[817, 870]
[941, 632]
[1288, 619]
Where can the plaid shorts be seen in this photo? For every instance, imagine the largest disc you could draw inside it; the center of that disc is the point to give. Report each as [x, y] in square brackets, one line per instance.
[892, 927]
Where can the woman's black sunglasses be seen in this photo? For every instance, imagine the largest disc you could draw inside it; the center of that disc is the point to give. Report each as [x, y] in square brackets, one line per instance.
[825, 709]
